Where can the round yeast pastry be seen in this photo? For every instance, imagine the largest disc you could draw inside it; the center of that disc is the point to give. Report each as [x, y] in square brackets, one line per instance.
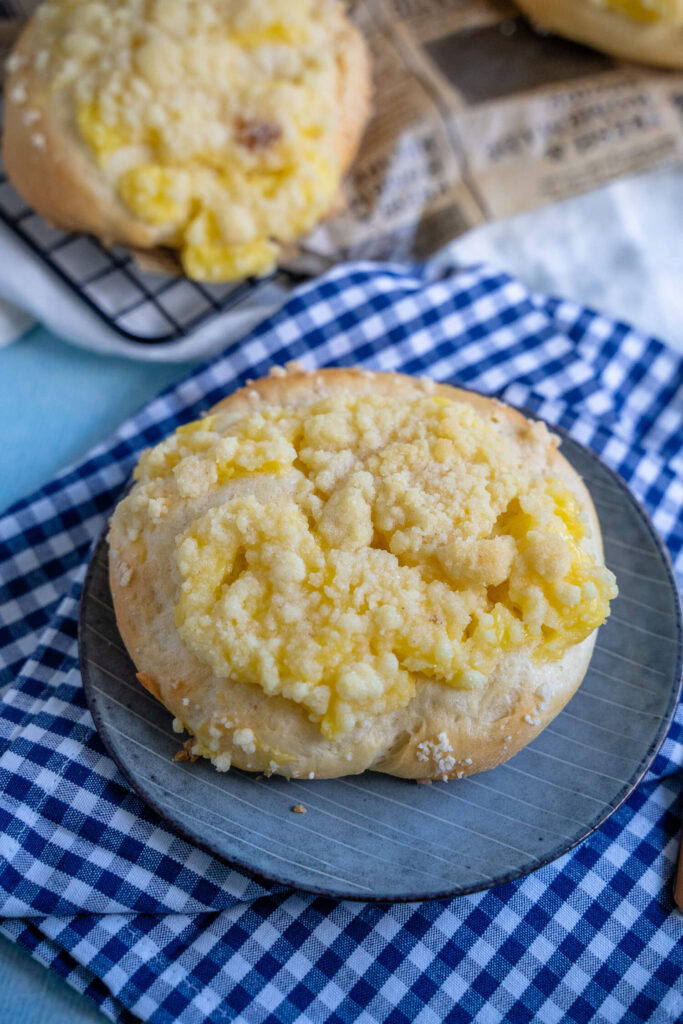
[339, 570]
[221, 128]
[648, 31]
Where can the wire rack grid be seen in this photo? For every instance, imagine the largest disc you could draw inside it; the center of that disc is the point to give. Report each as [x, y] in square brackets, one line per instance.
[140, 306]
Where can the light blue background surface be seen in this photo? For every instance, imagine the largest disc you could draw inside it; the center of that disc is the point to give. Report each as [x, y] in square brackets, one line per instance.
[57, 401]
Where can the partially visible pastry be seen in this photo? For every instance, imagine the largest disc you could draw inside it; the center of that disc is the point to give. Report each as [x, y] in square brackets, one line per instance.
[647, 31]
[337, 570]
[221, 128]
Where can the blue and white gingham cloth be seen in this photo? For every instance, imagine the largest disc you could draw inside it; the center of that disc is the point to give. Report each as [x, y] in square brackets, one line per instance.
[101, 891]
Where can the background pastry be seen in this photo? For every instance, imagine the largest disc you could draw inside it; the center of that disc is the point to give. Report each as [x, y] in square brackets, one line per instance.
[221, 128]
[650, 31]
[338, 571]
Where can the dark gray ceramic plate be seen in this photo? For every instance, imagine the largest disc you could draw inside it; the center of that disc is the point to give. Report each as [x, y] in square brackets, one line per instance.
[374, 837]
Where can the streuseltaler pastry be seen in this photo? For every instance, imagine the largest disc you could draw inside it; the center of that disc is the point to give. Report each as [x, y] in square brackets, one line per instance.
[649, 31]
[220, 128]
[338, 570]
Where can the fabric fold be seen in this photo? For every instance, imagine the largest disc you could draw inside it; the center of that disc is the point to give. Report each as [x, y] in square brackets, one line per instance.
[105, 893]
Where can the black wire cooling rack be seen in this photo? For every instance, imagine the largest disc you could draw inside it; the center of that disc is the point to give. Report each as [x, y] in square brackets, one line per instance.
[140, 306]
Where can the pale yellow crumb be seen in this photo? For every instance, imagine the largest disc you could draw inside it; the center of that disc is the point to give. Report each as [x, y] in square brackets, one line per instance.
[388, 546]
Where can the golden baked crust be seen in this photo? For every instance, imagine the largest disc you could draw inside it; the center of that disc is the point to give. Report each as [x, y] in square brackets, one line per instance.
[649, 33]
[441, 732]
[62, 176]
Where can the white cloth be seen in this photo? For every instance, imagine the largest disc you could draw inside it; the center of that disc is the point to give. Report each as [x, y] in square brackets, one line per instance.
[13, 323]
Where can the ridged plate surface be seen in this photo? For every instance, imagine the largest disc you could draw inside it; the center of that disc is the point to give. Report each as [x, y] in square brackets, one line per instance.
[375, 837]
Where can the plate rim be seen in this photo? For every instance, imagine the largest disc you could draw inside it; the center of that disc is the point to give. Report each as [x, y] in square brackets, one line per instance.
[603, 815]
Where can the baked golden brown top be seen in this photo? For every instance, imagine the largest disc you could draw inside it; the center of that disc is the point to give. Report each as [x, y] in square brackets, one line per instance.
[344, 550]
[222, 125]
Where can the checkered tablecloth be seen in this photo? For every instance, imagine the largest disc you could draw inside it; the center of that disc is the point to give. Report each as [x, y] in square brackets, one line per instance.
[96, 887]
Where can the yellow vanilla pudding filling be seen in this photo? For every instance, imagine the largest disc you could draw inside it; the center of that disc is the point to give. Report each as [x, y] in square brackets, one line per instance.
[645, 31]
[646, 11]
[213, 120]
[341, 554]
